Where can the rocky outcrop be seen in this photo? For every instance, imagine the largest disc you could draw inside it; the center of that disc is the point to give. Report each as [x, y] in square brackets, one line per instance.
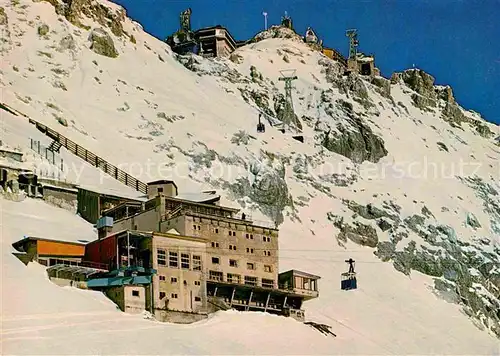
[76, 10]
[281, 112]
[361, 234]
[276, 32]
[43, 29]
[102, 43]
[67, 43]
[357, 142]
[383, 86]
[3, 17]
[265, 186]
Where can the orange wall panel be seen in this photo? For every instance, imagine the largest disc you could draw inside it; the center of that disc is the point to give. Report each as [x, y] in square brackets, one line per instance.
[53, 248]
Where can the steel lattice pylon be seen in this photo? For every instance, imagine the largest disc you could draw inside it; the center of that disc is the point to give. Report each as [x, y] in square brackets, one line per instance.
[353, 42]
[288, 76]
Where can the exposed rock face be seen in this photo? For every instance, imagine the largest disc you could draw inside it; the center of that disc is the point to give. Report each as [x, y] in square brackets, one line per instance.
[76, 10]
[43, 29]
[357, 143]
[102, 43]
[3, 17]
[266, 186]
[384, 86]
[472, 221]
[420, 81]
[280, 109]
[276, 32]
[67, 43]
[360, 234]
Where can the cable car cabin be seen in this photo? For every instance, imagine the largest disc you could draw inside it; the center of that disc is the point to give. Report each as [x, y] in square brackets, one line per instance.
[261, 127]
[348, 281]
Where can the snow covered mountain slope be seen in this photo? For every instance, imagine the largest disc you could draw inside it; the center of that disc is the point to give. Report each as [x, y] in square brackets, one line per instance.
[392, 173]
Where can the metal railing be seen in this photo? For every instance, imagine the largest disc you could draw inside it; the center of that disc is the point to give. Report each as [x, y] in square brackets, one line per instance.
[91, 158]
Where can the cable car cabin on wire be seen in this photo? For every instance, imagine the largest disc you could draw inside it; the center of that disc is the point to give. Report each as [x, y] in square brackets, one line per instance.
[348, 279]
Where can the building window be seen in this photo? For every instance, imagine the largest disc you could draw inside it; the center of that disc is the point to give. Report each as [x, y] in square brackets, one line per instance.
[173, 280]
[233, 263]
[173, 259]
[267, 253]
[268, 268]
[215, 260]
[185, 282]
[197, 299]
[247, 236]
[251, 281]
[216, 276]
[234, 233]
[232, 247]
[162, 295]
[250, 265]
[135, 293]
[197, 283]
[196, 263]
[174, 296]
[160, 189]
[267, 283]
[184, 261]
[215, 244]
[233, 278]
[162, 278]
[249, 250]
[216, 231]
[199, 227]
[162, 258]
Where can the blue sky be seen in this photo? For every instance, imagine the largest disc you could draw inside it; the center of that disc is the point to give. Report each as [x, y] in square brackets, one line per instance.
[458, 42]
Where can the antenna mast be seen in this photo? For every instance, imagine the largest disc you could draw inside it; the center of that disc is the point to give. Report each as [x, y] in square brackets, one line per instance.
[288, 76]
[353, 42]
[265, 20]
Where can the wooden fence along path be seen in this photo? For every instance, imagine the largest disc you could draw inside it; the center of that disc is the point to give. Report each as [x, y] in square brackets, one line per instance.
[84, 154]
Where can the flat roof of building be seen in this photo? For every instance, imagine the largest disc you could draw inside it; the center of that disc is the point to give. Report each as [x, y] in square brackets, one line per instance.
[301, 273]
[163, 181]
[234, 210]
[114, 194]
[232, 220]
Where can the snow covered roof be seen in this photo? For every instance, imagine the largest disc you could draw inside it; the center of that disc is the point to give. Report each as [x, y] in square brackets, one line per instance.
[203, 197]
[126, 192]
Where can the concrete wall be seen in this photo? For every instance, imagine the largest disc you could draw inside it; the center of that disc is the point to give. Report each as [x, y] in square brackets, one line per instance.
[65, 200]
[223, 48]
[167, 189]
[134, 304]
[124, 297]
[145, 221]
[245, 237]
[184, 288]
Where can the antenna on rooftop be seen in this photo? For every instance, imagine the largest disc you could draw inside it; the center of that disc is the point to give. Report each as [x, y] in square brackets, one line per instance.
[265, 19]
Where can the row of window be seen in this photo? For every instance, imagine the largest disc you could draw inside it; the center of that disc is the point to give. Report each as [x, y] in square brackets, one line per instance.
[173, 280]
[175, 296]
[186, 260]
[233, 248]
[235, 263]
[233, 233]
[236, 278]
